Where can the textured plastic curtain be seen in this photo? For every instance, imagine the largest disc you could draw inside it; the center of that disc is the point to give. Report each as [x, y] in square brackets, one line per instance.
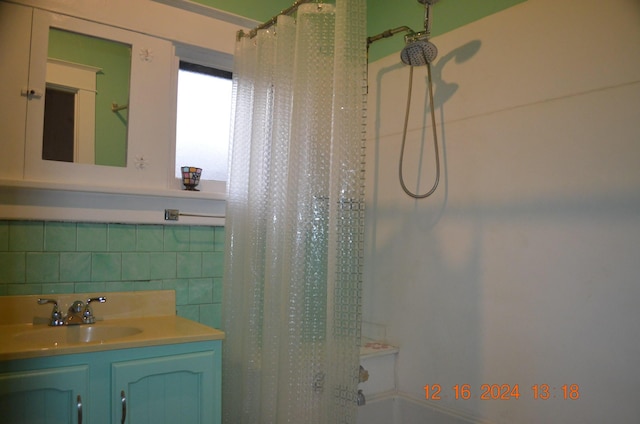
[295, 219]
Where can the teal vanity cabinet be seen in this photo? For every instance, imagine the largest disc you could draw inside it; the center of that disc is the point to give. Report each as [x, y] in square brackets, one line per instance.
[157, 384]
[47, 395]
[169, 389]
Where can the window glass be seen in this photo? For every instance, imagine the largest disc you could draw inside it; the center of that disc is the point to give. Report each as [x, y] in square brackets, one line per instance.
[203, 121]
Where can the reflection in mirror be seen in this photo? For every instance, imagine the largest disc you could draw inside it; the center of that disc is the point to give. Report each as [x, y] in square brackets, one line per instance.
[86, 76]
[59, 123]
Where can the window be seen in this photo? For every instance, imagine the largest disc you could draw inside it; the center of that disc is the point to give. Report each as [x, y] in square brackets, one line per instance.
[203, 120]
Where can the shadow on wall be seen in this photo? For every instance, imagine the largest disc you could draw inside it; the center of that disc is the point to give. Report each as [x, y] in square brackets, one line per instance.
[403, 242]
[445, 90]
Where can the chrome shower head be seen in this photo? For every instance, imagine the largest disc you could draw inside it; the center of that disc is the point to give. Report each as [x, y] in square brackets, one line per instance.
[418, 50]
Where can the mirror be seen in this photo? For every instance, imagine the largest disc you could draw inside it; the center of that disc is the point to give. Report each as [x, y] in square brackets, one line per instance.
[145, 123]
[86, 99]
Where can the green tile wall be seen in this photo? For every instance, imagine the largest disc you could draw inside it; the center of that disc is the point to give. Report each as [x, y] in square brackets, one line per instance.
[43, 257]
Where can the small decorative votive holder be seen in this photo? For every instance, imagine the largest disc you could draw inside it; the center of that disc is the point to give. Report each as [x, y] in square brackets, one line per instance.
[191, 177]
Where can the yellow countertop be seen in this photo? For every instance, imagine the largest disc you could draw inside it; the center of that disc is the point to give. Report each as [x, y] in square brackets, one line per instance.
[19, 340]
[155, 331]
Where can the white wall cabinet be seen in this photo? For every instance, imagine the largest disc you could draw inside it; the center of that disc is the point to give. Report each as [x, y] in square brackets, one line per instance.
[15, 45]
[149, 115]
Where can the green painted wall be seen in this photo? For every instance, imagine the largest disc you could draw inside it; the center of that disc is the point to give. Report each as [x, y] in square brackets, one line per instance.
[384, 14]
[49, 257]
[112, 84]
[447, 16]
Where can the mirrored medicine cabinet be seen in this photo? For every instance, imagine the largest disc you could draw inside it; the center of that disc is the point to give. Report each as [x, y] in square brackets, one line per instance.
[98, 105]
[125, 174]
[83, 120]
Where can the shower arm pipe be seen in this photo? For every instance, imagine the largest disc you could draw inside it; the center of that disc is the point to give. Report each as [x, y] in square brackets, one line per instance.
[391, 32]
[388, 33]
[288, 11]
[427, 19]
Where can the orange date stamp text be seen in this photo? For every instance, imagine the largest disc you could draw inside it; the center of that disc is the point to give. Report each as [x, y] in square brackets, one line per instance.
[502, 392]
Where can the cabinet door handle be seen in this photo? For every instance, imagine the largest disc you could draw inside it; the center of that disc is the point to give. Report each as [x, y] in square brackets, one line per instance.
[79, 399]
[123, 399]
[31, 93]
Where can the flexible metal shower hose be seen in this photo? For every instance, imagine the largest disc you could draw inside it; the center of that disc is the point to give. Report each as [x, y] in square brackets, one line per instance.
[435, 136]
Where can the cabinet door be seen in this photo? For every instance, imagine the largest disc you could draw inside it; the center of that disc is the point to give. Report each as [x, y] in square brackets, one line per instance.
[142, 130]
[15, 45]
[171, 389]
[55, 395]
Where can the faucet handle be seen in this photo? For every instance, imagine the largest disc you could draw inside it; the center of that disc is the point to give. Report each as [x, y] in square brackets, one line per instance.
[100, 299]
[56, 315]
[87, 315]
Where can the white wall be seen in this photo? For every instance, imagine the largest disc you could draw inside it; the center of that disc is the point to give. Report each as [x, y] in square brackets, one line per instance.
[524, 267]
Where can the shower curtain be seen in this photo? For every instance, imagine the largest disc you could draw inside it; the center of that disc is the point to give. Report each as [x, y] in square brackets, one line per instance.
[295, 219]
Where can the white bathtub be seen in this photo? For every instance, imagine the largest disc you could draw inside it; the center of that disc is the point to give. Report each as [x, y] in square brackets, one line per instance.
[384, 403]
[396, 408]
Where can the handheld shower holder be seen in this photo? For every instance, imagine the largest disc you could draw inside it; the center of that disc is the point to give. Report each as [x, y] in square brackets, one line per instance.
[413, 36]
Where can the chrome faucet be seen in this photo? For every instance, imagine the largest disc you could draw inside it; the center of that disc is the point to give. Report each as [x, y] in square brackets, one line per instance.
[78, 313]
[87, 314]
[75, 313]
[360, 399]
[56, 316]
[363, 375]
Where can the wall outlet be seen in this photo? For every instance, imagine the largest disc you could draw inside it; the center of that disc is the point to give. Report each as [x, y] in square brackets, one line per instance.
[171, 214]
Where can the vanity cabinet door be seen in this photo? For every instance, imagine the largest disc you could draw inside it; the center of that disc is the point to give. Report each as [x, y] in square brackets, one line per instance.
[46, 396]
[170, 389]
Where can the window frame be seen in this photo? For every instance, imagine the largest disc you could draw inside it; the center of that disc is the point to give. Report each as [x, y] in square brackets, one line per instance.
[196, 56]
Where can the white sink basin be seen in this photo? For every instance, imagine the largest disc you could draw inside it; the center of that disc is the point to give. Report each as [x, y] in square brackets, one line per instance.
[76, 334]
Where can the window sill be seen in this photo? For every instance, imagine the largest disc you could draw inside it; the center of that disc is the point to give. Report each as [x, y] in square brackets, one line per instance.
[36, 200]
[152, 192]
